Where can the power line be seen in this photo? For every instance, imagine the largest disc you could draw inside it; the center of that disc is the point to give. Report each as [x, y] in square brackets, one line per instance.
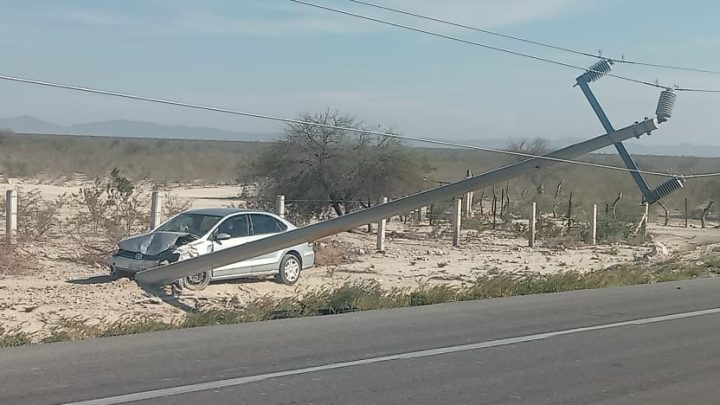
[495, 48]
[532, 42]
[328, 126]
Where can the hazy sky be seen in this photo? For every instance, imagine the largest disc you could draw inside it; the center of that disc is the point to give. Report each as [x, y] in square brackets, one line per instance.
[281, 58]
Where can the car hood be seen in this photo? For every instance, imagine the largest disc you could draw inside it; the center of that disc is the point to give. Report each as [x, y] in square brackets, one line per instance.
[151, 243]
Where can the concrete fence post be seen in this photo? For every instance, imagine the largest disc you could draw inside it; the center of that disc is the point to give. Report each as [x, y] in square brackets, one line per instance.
[421, 214]
[646, 219]
[594, 225]
[468, 205]
[531, 224]
[155, 210]
[381, 229]
[11, 218]
[457, 220]
[468, 200]
[280, 205]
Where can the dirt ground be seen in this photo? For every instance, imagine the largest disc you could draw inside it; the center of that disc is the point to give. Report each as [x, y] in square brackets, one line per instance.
[58, 286]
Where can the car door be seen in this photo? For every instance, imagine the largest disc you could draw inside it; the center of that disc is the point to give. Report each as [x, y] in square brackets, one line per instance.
[262, 226]
[238, 227]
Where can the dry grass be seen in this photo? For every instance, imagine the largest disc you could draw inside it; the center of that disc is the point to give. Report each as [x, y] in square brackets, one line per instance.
[14, 337]
[16, 261]
[332, 253]
[369, 295]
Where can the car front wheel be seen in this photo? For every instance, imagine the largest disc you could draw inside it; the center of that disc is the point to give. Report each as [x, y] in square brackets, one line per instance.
[195, 282]
[289, 269]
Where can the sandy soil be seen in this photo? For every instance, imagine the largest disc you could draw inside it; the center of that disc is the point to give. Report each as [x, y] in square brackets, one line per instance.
[56, 285]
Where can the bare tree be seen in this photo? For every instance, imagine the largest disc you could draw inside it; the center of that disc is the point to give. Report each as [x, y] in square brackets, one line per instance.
[667, 213]
[540, 178]
[614, 205]
[320, 166]
[532, 147]
[705, 213]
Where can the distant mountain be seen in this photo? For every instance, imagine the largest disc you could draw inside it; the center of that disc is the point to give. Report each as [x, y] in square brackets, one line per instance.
[25, 123]
[141, 129]
[130, 129]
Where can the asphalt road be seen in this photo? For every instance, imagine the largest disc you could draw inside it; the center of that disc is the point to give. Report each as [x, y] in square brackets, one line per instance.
[655, 344]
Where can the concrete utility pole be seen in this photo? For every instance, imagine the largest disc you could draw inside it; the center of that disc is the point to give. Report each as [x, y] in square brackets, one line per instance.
[169, 273]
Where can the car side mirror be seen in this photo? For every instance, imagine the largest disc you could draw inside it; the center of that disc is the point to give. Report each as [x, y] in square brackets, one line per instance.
[222, 236]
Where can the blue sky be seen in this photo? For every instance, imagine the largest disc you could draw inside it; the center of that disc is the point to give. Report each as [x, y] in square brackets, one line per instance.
[280, 58]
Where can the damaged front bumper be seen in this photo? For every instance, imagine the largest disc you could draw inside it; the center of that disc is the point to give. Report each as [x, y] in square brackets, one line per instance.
[133, 262]
[131, 265]
[151, 250]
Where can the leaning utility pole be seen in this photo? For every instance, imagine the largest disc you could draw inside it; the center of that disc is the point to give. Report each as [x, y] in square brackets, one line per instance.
[171, 272]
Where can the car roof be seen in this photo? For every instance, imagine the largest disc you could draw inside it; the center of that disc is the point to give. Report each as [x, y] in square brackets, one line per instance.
[220, 212]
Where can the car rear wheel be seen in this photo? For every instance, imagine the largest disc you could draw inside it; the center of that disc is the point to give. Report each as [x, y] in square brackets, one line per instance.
[289, 269]
[195, 282]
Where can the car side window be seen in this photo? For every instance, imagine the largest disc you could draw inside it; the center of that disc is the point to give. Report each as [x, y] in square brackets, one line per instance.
[236, 226]
[262, 224]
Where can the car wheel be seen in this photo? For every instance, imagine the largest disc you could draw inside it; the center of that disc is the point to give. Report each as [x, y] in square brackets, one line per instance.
[195, 282]
[289, 269]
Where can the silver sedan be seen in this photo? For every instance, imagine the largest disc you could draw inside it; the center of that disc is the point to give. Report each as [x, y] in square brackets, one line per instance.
[198, 232]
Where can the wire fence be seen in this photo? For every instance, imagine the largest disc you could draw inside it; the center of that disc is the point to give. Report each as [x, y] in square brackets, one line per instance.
[27, 217]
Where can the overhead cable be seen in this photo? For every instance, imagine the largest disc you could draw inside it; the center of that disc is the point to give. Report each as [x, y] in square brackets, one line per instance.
[499, 49]
[532, 42]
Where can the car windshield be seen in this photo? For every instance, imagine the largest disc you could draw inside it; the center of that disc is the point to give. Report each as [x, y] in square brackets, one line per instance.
[195, 224]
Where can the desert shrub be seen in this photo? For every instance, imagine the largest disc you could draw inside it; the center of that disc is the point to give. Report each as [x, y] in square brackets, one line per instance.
[611, 230]
[173, 205]
[548, 228]
[112, 205]
[330, 255]
[36, 216]
[476, 224]
[128, 206]
[110, 209]
[711, 262]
